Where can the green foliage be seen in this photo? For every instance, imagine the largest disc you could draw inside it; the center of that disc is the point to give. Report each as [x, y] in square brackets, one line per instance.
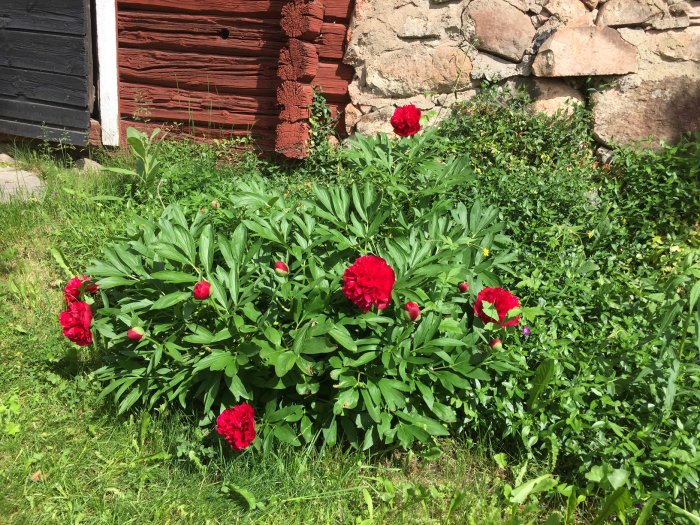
[605, 253]
[294, 345]
[148, 166]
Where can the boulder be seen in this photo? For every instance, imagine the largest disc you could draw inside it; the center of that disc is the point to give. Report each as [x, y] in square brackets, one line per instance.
[88, 165]
[492, 67]
[500, 28]
[6, 159]
[406, 72]
[585, 51]
[654, 13]
[554, 96]
[664, 109]
[566, 10]
[664, 54]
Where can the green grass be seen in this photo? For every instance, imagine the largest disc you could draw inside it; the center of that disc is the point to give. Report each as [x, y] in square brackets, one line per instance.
[66, 459]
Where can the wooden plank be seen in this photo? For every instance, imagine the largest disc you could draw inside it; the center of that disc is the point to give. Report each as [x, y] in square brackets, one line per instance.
[108, 74]
[52, 16]
[38, 131]
[334, 78]
[49, 114]
[44, 87]
[201, 23]
[260, 43]
[264, 139]
[271, 8]
[201, 72]
[331, 41]
[144, 102]
[337, 10]
[42, 52]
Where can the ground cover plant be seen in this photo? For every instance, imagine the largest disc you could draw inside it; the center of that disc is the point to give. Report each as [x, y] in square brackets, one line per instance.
[589, 404]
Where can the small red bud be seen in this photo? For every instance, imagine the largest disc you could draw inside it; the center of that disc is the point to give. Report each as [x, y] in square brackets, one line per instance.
[412, 310]
[496, 344]
[281, 269]
[135, 333]
[215, 205]
[202, 290]
[463, 286]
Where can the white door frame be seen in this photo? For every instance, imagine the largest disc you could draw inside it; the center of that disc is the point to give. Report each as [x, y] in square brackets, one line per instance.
[106, 18]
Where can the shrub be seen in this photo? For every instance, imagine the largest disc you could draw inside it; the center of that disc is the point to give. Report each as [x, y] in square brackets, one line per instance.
[293, 344]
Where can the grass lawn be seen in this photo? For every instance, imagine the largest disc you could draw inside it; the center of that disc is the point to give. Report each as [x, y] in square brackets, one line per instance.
[594, 415]
[65, 459]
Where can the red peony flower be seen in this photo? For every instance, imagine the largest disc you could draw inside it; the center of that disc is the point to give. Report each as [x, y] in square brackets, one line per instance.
[202, 290]
[135, 334]
[463, 286]
[368, 282]
[76, 323]
[281, 268]
[502, 300]
[237, 425]
[406, 120]
[73, 287]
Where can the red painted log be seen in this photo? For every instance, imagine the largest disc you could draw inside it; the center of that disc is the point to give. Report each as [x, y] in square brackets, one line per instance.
[143, 102]
[334, 78]
[295, 99]
[200, 72]
[298, 61]
[331, 42]
[338, 10]
[200, 33]
[270, 8]
[198, 134]
[292, 139]
[302, 19]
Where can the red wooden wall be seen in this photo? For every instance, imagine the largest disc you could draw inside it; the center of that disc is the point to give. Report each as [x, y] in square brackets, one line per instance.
[212, 68]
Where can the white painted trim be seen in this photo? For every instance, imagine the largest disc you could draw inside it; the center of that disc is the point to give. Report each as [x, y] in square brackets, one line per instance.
[106, 17]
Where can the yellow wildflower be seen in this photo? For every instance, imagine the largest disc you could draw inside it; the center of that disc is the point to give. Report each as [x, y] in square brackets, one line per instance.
[590, 234]
[486, 252]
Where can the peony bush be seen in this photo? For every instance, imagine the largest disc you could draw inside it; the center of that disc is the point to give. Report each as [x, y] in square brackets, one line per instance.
[350, 315]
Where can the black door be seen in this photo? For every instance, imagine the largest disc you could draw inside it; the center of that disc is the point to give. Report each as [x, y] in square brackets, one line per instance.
[46, 69]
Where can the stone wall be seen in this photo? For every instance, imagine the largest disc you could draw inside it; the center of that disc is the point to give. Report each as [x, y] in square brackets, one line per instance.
[635, 62]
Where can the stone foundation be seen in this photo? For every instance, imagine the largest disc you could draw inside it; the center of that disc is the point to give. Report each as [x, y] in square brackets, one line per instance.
[642, 57]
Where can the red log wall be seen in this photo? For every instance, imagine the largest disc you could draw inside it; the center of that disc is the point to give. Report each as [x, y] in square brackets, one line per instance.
[222, 68]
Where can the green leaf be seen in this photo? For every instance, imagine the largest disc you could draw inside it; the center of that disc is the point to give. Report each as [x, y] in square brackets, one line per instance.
[543, 375]
[166, 301]
[206, 248]
[682, 512]
[285, 362]
[646, 512]
[286, 435]
[216, 361]
[317, 345]
[617, 502]
[341, 336]
[174, 277]
[694, 295]
[542, 484]
[113, 282]
[240, 494]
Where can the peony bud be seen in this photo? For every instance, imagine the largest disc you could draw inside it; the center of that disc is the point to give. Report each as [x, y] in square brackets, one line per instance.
[281, 269]
[215, 205]
[526, 331]
[463, 286]
[412, 310]
[202, 290]
[135, 333]
[496, 344]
